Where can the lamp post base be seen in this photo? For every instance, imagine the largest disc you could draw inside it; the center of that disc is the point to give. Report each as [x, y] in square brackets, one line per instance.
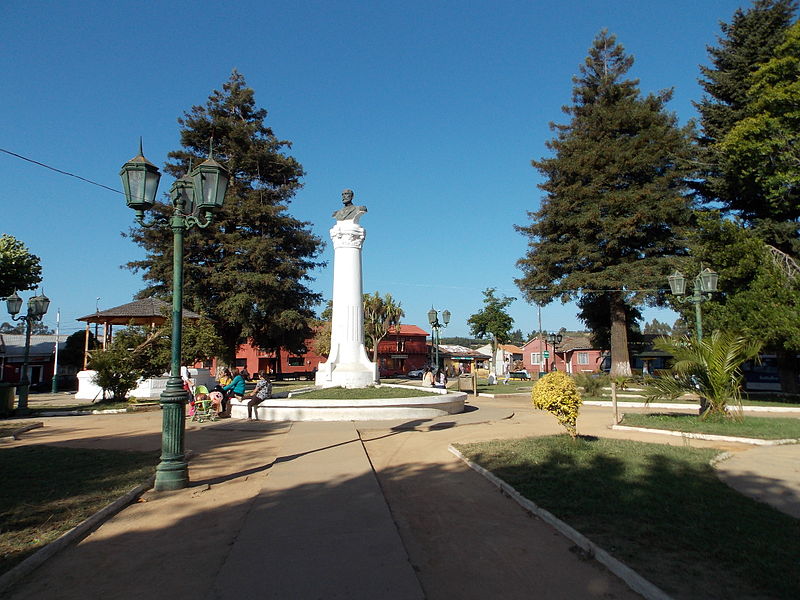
[172, 473]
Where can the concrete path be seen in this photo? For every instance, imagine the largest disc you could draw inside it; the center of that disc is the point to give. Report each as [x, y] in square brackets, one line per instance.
[296, 511]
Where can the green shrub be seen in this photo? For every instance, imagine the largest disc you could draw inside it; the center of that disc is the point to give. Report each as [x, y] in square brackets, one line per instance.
[557, 393]
[592, 384]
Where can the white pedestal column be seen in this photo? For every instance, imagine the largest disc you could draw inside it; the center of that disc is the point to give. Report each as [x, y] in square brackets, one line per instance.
[347, 365]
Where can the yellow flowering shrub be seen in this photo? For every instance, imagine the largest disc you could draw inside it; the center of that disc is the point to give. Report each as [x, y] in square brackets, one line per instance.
[557, 393]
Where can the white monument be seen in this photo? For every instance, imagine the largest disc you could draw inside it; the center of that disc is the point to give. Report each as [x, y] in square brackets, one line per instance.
[347, 365]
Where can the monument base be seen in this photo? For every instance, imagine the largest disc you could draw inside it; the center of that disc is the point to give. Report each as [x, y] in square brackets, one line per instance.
[347, 375]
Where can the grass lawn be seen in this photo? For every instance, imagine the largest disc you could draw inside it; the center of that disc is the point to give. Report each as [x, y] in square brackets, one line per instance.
[82, 407]
[514, 386]
[47, 491]
[767, 428]
[370, 393]
[660, 509]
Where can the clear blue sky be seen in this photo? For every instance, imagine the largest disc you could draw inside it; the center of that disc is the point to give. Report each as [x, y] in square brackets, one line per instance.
[431, 111]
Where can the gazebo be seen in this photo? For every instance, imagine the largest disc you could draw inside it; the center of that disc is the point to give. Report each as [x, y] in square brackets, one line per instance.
[147, 311]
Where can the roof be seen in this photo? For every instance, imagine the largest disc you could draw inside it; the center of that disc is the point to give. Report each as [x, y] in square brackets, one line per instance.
[12, 345]
[139, 312]
[510, 348]
[575, 343]
[408, 330]
[461, 351]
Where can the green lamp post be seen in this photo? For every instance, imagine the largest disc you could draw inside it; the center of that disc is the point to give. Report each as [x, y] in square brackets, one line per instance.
[195, 198]
[37, 307]
[704, 285]
[436, 325]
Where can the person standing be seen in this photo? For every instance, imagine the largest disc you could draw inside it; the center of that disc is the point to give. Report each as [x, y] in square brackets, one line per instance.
[506, 371]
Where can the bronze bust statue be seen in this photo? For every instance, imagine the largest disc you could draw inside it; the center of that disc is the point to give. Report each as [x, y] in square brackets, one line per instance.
[349, 212]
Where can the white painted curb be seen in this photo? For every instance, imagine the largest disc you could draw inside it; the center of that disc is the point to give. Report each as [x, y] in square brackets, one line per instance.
[73, 535]
[708, 436]
[635, 581]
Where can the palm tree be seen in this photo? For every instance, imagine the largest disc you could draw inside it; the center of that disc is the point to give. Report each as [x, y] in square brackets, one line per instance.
[380, 315]
[710, 368]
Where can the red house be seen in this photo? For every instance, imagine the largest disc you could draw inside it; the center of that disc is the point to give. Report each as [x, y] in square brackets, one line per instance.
[402, 351]
[574, 355]
[398, 353]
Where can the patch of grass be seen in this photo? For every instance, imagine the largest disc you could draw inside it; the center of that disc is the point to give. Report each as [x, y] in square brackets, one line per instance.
[512, 387]
[48, 490]
[82, 407]
[370, 393]
[767, 428]
[660, 509]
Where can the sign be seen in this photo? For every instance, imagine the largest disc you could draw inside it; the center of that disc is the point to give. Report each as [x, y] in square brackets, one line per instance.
[546, 354]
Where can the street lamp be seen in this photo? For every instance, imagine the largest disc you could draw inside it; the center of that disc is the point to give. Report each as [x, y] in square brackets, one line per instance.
[704, 285]
[37, 307]
[555, 340]
[195, 198]
[433, 319]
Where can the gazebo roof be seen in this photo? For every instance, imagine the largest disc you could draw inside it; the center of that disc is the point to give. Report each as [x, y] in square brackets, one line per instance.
[139, 312]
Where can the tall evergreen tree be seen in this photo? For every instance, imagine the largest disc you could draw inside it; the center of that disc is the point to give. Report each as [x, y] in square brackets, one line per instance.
[248, 272]
[747, 42]
[760, 154]
[614, 207]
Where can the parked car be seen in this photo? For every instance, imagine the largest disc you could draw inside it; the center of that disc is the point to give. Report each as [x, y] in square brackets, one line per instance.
[415, 374]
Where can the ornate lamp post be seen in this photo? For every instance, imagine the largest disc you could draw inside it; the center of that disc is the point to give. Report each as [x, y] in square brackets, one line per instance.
[555, 340]
[433, 319]
[704, 285]
[195, 198]
[37, 307]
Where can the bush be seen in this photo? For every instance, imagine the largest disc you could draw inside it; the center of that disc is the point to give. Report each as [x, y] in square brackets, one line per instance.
[557, 393]
[592, 384]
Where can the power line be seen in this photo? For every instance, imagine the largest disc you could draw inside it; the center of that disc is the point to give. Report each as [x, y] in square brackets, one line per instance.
[41, 164]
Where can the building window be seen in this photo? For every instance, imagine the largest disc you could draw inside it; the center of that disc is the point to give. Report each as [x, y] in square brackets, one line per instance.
[536, 358]
[295, 361]
[583, 358]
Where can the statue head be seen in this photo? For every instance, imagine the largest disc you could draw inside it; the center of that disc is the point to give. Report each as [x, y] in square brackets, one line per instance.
[347, 197]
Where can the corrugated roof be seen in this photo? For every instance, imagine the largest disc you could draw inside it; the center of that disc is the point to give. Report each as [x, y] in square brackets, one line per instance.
[14, 344]
[144, 311]
[455, 350]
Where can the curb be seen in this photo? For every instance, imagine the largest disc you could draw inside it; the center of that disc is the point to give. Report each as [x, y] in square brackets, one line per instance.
[634, 581]
[15, 434]
[682, 406]
[708, 436]
[74, 535]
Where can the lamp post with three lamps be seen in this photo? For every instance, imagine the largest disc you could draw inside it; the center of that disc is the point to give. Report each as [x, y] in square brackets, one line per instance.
[37, 307]
[704, 285]
[195, 198]
[433, 319]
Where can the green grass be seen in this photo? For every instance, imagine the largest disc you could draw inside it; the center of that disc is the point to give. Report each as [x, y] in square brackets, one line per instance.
[745, 402]
[660, 509]
[514, 386]
[370, 393]
[768, 428]
[81, 407]
[47, 491]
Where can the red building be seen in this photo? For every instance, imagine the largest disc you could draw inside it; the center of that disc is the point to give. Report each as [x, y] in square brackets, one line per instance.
[574, 355]
[402, 351]
[398, 353]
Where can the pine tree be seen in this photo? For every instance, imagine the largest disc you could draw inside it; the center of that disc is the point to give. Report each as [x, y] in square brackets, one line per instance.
[747, 42]
[248, 271]
[760, 153]
[614, 206]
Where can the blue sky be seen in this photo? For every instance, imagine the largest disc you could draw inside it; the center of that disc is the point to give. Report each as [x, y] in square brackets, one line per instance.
[430, 111]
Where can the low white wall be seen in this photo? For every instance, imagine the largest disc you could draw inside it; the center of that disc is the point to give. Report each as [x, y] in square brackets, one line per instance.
[146, 388]
[378, 409]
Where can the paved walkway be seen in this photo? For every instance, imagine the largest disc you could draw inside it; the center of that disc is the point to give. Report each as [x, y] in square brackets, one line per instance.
[343, 510]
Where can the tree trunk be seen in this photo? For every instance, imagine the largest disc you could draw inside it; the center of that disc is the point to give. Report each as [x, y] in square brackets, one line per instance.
[620, 361]
[787, 371]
